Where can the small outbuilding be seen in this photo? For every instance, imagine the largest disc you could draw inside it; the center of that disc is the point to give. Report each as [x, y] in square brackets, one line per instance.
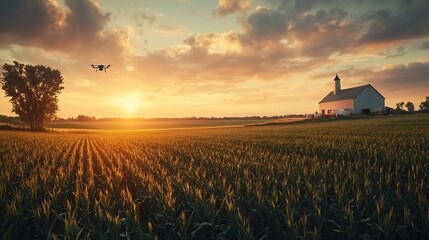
[363, 100]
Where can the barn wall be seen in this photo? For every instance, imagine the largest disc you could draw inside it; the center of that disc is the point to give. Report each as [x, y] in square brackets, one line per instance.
[362, 101]
[335, 106]
[370, 99]
[377, 101]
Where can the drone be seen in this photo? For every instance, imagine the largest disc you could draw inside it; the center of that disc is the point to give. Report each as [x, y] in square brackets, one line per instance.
[100, 67]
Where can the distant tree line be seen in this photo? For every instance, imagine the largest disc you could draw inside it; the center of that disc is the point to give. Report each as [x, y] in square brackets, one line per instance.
[404, 108]
[11, 120]
[84, 118]
[79, 118]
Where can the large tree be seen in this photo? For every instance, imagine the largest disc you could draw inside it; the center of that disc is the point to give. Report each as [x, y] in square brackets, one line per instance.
[424, 106]
[410, 107]
[400, 106]
[34, 92]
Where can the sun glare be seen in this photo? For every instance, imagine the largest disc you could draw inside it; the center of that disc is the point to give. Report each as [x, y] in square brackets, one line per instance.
[130, 104]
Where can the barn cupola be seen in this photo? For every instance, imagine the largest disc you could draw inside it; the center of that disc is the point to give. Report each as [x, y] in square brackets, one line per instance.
[337, 88]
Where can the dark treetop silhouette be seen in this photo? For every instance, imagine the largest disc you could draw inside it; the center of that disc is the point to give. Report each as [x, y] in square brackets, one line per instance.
[34, 92]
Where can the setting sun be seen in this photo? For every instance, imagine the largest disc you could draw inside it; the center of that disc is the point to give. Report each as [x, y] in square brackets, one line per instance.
[130, 104]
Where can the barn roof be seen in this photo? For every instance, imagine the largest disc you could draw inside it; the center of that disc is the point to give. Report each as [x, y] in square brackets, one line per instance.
[344, 94]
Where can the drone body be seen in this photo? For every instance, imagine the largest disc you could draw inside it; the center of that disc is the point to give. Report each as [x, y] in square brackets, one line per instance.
[100, 67]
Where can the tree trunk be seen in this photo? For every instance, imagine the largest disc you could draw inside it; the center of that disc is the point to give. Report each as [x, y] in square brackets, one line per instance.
[40, 126]
[37, 121]
[40, 119]
[33, 125]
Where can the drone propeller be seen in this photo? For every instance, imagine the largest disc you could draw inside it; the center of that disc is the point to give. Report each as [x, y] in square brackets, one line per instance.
[100, 67]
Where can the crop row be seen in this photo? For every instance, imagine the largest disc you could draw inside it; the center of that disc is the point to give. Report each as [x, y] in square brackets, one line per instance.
[344, 181]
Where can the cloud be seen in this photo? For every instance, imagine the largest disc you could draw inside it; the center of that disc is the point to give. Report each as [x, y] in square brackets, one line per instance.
[273, 45]
[169, 29]
[278, 36]
[425, 45]
[221, 58]
[226, 56]
[215, 42]
[319, 33]
[394, 78]
[325, 27]
[143, 16]
[399, 77]
[140, 18]
[323, 33]
[80, 28]
[293, 40]
[84, 18]
[402, 82]
[21, 20]
[226, 7]
[410, 21]
[265, 24]
[394, 52]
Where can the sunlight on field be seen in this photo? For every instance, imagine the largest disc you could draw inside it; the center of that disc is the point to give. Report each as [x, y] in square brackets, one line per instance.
[330, 180]
[151, 124]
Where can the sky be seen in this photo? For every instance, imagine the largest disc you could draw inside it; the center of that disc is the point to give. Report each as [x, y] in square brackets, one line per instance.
[184, 58]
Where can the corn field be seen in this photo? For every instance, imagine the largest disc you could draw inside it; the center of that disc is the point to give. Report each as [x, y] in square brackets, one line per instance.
[360, 179]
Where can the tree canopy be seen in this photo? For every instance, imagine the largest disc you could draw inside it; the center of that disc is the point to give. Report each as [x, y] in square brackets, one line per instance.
[424, 106]
[33, 91]
[410, 107]
[400, 106]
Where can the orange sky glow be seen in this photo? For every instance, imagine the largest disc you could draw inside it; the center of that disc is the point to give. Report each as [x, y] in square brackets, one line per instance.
[184, 58]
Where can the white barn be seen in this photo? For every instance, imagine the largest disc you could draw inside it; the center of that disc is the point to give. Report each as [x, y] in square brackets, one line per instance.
[357, 100]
